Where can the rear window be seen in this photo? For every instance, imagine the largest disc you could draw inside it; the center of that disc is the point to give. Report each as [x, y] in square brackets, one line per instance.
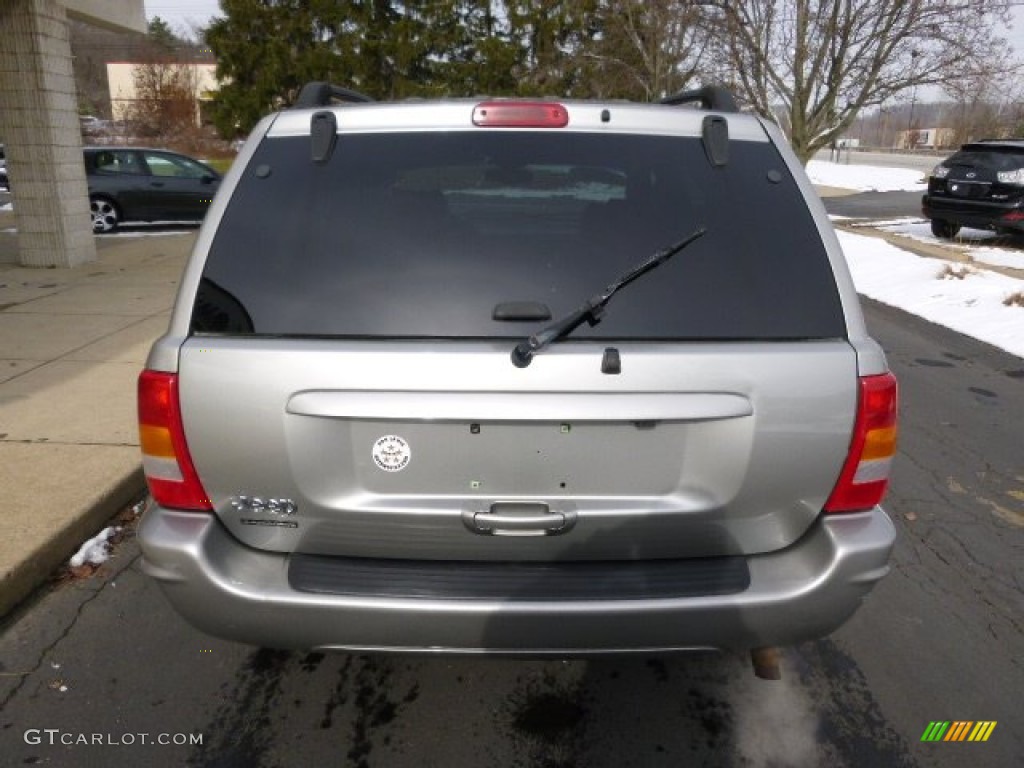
[422, 235]
[994, 158]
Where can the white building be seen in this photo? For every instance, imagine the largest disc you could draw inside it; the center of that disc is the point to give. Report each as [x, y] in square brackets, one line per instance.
[121, 79]
[926, 138]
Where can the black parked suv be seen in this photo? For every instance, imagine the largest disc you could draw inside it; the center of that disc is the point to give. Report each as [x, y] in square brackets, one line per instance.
[981, 186]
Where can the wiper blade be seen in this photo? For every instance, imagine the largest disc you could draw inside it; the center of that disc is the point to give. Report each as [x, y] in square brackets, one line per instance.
[593, 309]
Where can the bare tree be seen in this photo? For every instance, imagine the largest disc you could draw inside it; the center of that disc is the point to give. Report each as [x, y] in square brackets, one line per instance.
[985, 106]
[814, 64]
[166, 83]
[166, 98]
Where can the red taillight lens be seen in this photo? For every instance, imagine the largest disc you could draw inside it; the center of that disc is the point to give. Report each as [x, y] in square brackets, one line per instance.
[520, 114]
[865, 475]
[1013, 216]
[165, 459]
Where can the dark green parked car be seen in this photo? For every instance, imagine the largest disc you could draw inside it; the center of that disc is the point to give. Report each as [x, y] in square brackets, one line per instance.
[139, 184]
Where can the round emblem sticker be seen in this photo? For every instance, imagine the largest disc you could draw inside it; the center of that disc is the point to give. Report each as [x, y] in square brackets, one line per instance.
[391, 453]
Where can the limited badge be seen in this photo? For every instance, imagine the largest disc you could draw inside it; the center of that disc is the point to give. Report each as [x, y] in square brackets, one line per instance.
[391, 453]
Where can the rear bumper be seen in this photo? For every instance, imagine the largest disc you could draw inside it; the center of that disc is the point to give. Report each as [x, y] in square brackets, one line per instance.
[229, 590]
[977, 214]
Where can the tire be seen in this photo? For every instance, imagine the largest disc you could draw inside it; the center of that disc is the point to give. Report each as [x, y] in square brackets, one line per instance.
[945, 229]
[105, 215]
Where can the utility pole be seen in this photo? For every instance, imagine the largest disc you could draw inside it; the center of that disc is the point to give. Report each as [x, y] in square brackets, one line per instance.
[913, 98]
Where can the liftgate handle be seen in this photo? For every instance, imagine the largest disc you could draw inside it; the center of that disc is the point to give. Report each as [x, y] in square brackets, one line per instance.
[516, 518]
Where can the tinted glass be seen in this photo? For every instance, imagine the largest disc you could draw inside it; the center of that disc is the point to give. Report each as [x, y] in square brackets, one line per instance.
[422, 235]
[118, 161]
[174, 166]
[990, 157]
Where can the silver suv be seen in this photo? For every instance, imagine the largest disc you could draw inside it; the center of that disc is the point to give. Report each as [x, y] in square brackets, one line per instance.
[516, 376]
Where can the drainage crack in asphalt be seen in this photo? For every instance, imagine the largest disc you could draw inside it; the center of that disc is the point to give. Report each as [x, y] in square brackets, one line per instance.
[47, 650]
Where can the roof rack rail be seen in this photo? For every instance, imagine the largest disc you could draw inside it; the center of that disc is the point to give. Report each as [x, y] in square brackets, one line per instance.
[321, 94]
[712, 97]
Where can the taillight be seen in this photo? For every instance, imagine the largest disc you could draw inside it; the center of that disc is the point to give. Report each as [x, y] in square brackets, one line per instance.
[865, 474]
[172, 479]
[520, 114]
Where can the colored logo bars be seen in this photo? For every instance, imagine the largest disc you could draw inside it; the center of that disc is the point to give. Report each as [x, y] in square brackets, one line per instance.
[958, 730]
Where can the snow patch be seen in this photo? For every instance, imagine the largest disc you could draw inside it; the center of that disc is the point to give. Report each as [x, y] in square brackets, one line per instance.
[96, 550]
[866, 178]
[969, 241]
[975, 306]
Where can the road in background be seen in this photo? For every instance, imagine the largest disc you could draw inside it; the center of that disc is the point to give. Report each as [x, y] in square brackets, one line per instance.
[875, 205]
[879, 205]
[922, 162]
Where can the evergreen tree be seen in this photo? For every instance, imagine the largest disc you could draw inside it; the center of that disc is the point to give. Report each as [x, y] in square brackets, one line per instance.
[645, 49]
[471, 50]
[160, 36]
[267, 49]
[553, 36]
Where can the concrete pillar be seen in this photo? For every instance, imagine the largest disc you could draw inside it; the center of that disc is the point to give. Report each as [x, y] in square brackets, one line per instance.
[43, 141]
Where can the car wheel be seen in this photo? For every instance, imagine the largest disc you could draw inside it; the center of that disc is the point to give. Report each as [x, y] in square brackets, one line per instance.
[105, 216]
[945, 229]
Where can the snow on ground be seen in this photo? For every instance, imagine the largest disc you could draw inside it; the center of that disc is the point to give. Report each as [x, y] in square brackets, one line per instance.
[969, 241]
[974, 304]
[150, 230]
[865, 178]
[95, 551]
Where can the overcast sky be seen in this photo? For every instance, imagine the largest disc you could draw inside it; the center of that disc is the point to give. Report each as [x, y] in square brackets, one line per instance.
[178, 13]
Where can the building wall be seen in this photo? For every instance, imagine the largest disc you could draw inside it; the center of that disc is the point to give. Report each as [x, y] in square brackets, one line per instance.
[926, 138]
[118, 15]
[39, 125]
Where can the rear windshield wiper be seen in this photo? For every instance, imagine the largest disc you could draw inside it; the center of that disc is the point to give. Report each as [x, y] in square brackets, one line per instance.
[593, 309]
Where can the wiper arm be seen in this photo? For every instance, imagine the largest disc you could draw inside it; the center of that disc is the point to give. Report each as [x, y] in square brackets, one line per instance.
[593, 309]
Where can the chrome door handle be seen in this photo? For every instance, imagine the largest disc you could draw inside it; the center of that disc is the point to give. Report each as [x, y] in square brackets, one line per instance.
[517, 518]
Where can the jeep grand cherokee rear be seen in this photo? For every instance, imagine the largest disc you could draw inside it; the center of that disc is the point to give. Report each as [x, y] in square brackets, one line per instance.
[344, 453]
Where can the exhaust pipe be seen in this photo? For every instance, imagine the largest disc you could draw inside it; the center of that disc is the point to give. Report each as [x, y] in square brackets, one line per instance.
[766, 663]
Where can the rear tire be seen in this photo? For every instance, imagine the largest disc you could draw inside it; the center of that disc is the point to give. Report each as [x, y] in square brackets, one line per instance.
[945, 229]
[105, 215]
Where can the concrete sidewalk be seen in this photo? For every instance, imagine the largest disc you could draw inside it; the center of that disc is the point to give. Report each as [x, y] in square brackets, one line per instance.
[72, 343]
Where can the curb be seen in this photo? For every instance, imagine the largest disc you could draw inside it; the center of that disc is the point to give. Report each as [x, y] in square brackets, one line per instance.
[36, 567]
[926, 250]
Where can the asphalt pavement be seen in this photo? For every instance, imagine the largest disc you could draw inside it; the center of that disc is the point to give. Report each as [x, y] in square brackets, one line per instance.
[875, 205]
